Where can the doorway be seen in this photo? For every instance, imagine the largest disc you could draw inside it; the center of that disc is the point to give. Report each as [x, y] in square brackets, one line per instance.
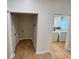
[23, 28]
[61, 36]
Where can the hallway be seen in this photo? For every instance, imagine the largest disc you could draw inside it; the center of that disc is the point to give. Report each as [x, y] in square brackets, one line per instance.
[25, 50]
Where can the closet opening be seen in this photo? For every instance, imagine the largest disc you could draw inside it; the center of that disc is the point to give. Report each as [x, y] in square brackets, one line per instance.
[24, 30]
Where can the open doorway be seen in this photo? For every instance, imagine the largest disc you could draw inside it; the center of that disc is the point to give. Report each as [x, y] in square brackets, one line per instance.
[24, 31]
[61, 37]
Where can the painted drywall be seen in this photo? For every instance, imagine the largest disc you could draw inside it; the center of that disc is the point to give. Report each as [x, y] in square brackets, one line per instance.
[35, 30]
[45, 9]
[25, 24]
[15, 33]
[68, 39]
[8, 47]
[9, 37]
[8, 41]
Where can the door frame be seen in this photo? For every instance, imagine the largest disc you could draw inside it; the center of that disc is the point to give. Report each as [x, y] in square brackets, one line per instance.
[69, 28]
[9, 20]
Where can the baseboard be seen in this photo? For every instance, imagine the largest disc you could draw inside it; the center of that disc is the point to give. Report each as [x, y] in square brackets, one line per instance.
[43, 52]
[25, 38]
[12, 56]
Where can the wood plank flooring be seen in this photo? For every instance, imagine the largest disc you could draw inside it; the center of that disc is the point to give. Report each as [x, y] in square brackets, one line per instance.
[59, 52]
[25, 50]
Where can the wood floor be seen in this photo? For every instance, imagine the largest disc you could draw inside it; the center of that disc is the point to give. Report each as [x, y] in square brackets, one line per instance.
[25, 50]
[59, 52]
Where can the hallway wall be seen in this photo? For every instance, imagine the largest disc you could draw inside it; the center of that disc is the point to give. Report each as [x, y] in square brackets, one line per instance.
[68, 39]
[25, 25]
[8, 38]
[10, 41]
[35, 30]
[15, 32]
[45, 9]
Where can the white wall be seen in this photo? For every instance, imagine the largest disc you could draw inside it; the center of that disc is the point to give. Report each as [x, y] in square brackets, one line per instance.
[12, 39]
[15, 32]
[68, 39]
[25, 25]
[45, 9]
[35, 30]
[8, 48]
[9, 38]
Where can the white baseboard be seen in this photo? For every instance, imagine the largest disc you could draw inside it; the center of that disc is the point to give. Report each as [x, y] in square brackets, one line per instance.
[12, 56]
[25, 38]
[43, 52]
